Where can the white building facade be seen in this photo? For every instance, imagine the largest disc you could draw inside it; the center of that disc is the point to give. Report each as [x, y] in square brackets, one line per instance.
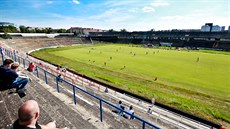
[205, 28]
[209, 27]
[216, 28]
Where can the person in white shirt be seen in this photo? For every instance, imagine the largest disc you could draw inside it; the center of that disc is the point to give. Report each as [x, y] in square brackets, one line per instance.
[131, 111]
[118, 105]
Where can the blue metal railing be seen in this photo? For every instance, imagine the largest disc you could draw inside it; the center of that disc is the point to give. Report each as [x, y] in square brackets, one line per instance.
[15, 57]
[2, 54]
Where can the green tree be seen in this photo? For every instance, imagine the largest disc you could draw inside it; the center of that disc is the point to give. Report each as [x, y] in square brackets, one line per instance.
[31, 31]
[8, 29]
[13, 29]
[111, 30]
[49, 30]
[124, 30]
[62, 31]
[44, 30]
[152, 30]
[37, 30]
[22, 29]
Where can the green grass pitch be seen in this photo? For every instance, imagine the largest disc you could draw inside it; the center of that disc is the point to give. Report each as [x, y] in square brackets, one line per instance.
[193, 81]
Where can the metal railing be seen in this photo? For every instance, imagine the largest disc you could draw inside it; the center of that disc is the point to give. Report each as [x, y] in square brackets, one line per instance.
[22, 60]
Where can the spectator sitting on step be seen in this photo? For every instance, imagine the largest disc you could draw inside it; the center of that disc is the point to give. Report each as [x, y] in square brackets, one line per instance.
[153, 102]
[3, 71]
[28, 115]
[59, 73]
[139, 102]
[120, 106]
[10, 79]
[149, 111]
[58, 67]
[14, 67]
[23, 78]
[31, 67]
[106, 90]
[131, 111]
[59, 78]
[64, 70]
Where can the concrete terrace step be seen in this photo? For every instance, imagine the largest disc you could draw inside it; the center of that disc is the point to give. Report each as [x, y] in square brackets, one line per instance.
[10, 103]
[87, 107]
[59, 110]
[6, 116]
[91, 105]
[44, 117]
[51, 108]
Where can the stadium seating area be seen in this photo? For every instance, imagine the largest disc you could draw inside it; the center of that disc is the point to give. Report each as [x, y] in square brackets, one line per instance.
[52, 108]
[31, 43]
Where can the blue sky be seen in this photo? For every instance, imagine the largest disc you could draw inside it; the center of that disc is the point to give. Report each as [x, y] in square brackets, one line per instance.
[140, 15]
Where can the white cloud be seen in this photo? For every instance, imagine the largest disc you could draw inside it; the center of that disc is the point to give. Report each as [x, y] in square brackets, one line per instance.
[59, 16]
[116, 3]
[159, 3]
[133, 10]
[113, 16]
[107, 14]
[176, 17]
[36, 4]
[49, 2]
[154, 5]
[113, 19]
[190, 21]
[132, 15]
[76, 1]
[148, 9]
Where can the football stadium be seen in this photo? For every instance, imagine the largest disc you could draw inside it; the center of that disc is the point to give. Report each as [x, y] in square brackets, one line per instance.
[192, 83]
[154, 64]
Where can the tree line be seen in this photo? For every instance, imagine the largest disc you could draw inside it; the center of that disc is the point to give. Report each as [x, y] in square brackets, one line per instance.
[24, 29]
[48, 30]
[8, 29]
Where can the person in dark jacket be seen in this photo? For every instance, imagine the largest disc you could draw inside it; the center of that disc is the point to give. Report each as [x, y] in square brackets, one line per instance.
[10, 78]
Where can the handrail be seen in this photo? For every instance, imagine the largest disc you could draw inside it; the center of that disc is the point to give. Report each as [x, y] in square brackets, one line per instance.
[2, 54]
[76, 77]
[101, 99]
[14, 57]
